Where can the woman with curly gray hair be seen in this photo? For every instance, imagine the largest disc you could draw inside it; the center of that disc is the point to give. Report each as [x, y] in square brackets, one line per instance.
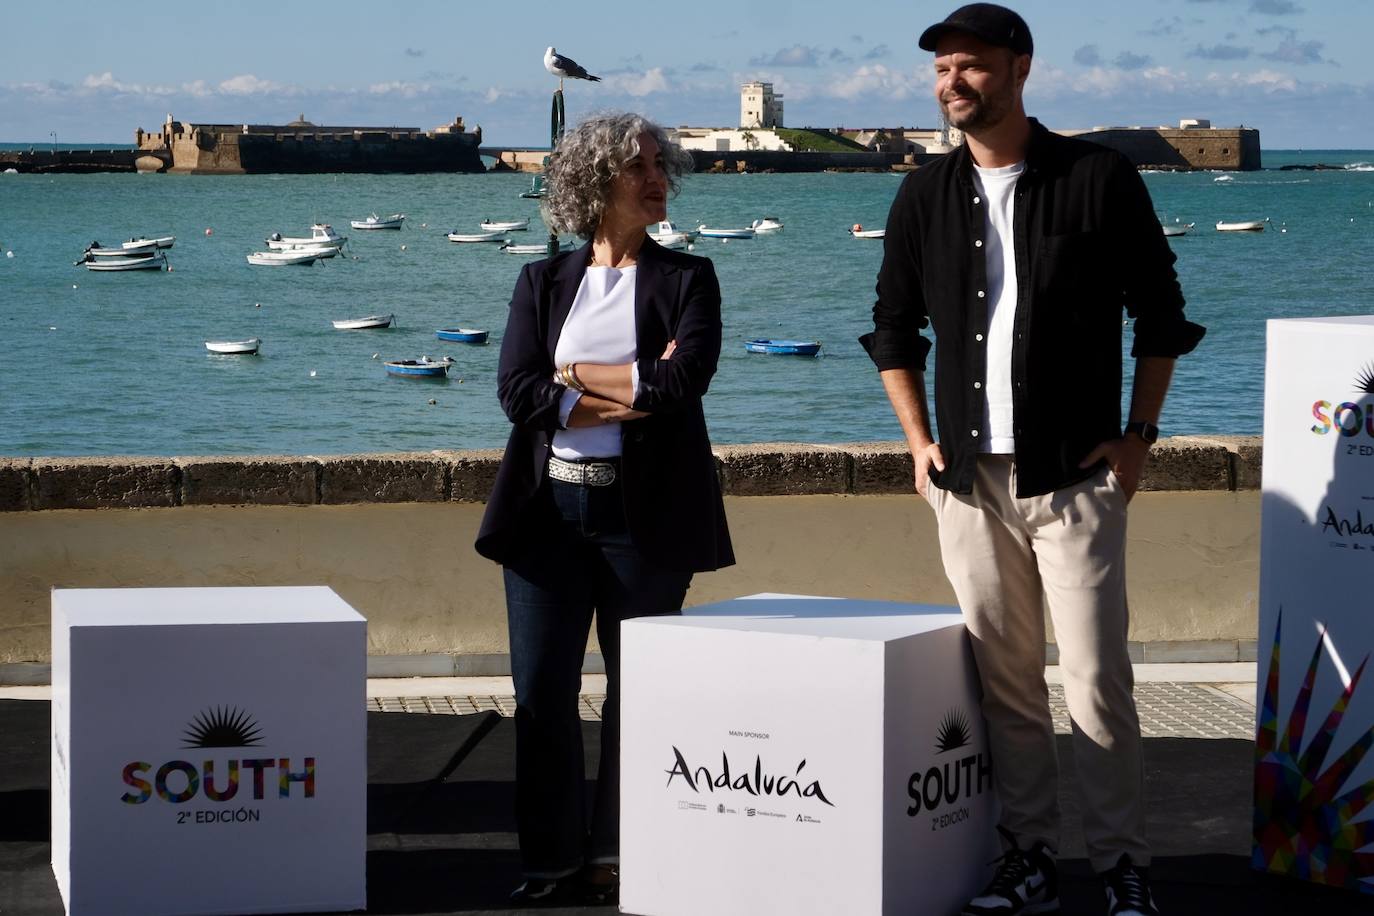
[606, 501]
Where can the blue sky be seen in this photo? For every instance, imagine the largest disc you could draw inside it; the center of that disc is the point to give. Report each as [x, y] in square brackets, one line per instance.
[1299, 70]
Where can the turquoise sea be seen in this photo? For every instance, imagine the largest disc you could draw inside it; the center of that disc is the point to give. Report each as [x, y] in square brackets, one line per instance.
[115, 364]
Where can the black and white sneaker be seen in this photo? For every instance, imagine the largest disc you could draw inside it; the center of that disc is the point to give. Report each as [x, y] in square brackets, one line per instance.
[1128, 889]
[1025, 882]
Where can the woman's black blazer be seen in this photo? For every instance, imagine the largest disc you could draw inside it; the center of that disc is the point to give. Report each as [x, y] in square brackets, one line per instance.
[672, 497]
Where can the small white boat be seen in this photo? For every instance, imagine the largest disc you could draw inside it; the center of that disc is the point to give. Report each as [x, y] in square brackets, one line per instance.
[136, 246]
[374, 221]
[476, 236]
[704, 232]
[1254, 225]
[510, 225]
[359, 324]
[239, 347]
[668, 227]
[97, 252]
[529, 249]
[137, 262]
[424, 367]
[283, 258]
[320, 251]
[165, 241]
[322, 235]
[859, 232]
[767, 224]
[1177, 229]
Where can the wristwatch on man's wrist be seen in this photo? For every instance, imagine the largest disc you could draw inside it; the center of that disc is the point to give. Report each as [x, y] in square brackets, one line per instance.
[1144, 429]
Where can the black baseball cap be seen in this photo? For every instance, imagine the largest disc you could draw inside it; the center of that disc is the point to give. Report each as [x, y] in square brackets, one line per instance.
[996, 25]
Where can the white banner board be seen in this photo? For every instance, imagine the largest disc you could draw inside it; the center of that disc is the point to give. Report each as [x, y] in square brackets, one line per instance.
[209, 750]
[1314, 773]
[782, 754]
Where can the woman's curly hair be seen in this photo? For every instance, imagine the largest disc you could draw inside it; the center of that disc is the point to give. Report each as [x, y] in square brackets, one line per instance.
[586, 160]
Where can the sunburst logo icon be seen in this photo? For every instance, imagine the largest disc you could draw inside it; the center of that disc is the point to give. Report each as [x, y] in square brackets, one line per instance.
[1307, 801]
[223, 727]
[1364, 381]
[954, 732]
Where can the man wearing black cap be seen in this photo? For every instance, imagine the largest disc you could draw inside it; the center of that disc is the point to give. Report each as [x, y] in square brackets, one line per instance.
[1020, 249]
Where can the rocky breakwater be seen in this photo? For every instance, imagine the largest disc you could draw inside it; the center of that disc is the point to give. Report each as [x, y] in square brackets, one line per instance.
[41, 161]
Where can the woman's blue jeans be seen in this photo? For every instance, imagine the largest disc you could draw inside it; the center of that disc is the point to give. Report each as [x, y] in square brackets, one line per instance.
[586, 567]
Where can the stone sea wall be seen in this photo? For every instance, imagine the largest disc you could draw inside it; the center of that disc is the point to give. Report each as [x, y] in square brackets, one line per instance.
[773, 469]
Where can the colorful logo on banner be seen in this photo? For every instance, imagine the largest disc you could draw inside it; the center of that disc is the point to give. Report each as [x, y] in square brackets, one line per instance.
[940, 788]
[179, 781]
[1348, 418]
[1306, 813]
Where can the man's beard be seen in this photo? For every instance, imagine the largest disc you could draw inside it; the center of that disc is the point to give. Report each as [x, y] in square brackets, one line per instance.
[985, 112]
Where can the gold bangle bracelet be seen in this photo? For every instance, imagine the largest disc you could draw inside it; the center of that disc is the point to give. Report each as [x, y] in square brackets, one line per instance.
[576, 382]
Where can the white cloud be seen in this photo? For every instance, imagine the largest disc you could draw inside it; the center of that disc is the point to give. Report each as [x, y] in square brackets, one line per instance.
[400, 88]
[638, 84]
[1269, 80]
[106, 82]
[876, 80]
[248, 84]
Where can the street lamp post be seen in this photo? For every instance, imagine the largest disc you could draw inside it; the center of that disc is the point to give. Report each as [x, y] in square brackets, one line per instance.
[53, 134]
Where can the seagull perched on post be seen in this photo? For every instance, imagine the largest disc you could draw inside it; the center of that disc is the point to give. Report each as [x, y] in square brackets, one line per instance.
[565, 67]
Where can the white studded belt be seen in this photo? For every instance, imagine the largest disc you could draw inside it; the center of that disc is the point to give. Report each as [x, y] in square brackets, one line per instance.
[587, 473]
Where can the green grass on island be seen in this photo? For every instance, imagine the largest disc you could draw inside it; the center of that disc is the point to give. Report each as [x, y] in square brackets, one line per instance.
[805, 140]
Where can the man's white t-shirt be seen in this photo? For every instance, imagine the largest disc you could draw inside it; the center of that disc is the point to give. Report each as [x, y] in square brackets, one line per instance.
[997, 187]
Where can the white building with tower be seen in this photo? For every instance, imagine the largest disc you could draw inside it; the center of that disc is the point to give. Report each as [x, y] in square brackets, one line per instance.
[759, 106]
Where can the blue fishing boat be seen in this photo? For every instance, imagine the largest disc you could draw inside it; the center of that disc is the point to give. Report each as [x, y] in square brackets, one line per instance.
[783, 347]
[424, 367]
[462, 335]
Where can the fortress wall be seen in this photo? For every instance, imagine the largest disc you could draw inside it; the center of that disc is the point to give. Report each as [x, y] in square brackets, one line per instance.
[1215, 148]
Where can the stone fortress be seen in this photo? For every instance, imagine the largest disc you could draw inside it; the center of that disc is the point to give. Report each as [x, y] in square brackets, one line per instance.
[303, 147]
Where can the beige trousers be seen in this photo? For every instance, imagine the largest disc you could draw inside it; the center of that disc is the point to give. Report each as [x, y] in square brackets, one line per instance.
[1008, 558]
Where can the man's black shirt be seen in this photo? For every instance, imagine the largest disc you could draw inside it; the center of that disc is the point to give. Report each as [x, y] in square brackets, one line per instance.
[1087, 244]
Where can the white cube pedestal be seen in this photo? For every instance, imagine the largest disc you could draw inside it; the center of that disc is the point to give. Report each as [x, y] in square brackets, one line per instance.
[782, 754]
[209, 750]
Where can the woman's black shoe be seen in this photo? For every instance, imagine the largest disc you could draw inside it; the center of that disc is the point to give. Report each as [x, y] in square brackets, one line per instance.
[599, 885]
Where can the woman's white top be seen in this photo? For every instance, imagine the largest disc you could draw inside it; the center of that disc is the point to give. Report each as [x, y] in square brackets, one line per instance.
[998, 188]
[600, 329]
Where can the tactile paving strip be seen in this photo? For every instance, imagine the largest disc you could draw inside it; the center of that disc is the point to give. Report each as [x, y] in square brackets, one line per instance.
[1170, 710]
[1167, 710]
[588, 704]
